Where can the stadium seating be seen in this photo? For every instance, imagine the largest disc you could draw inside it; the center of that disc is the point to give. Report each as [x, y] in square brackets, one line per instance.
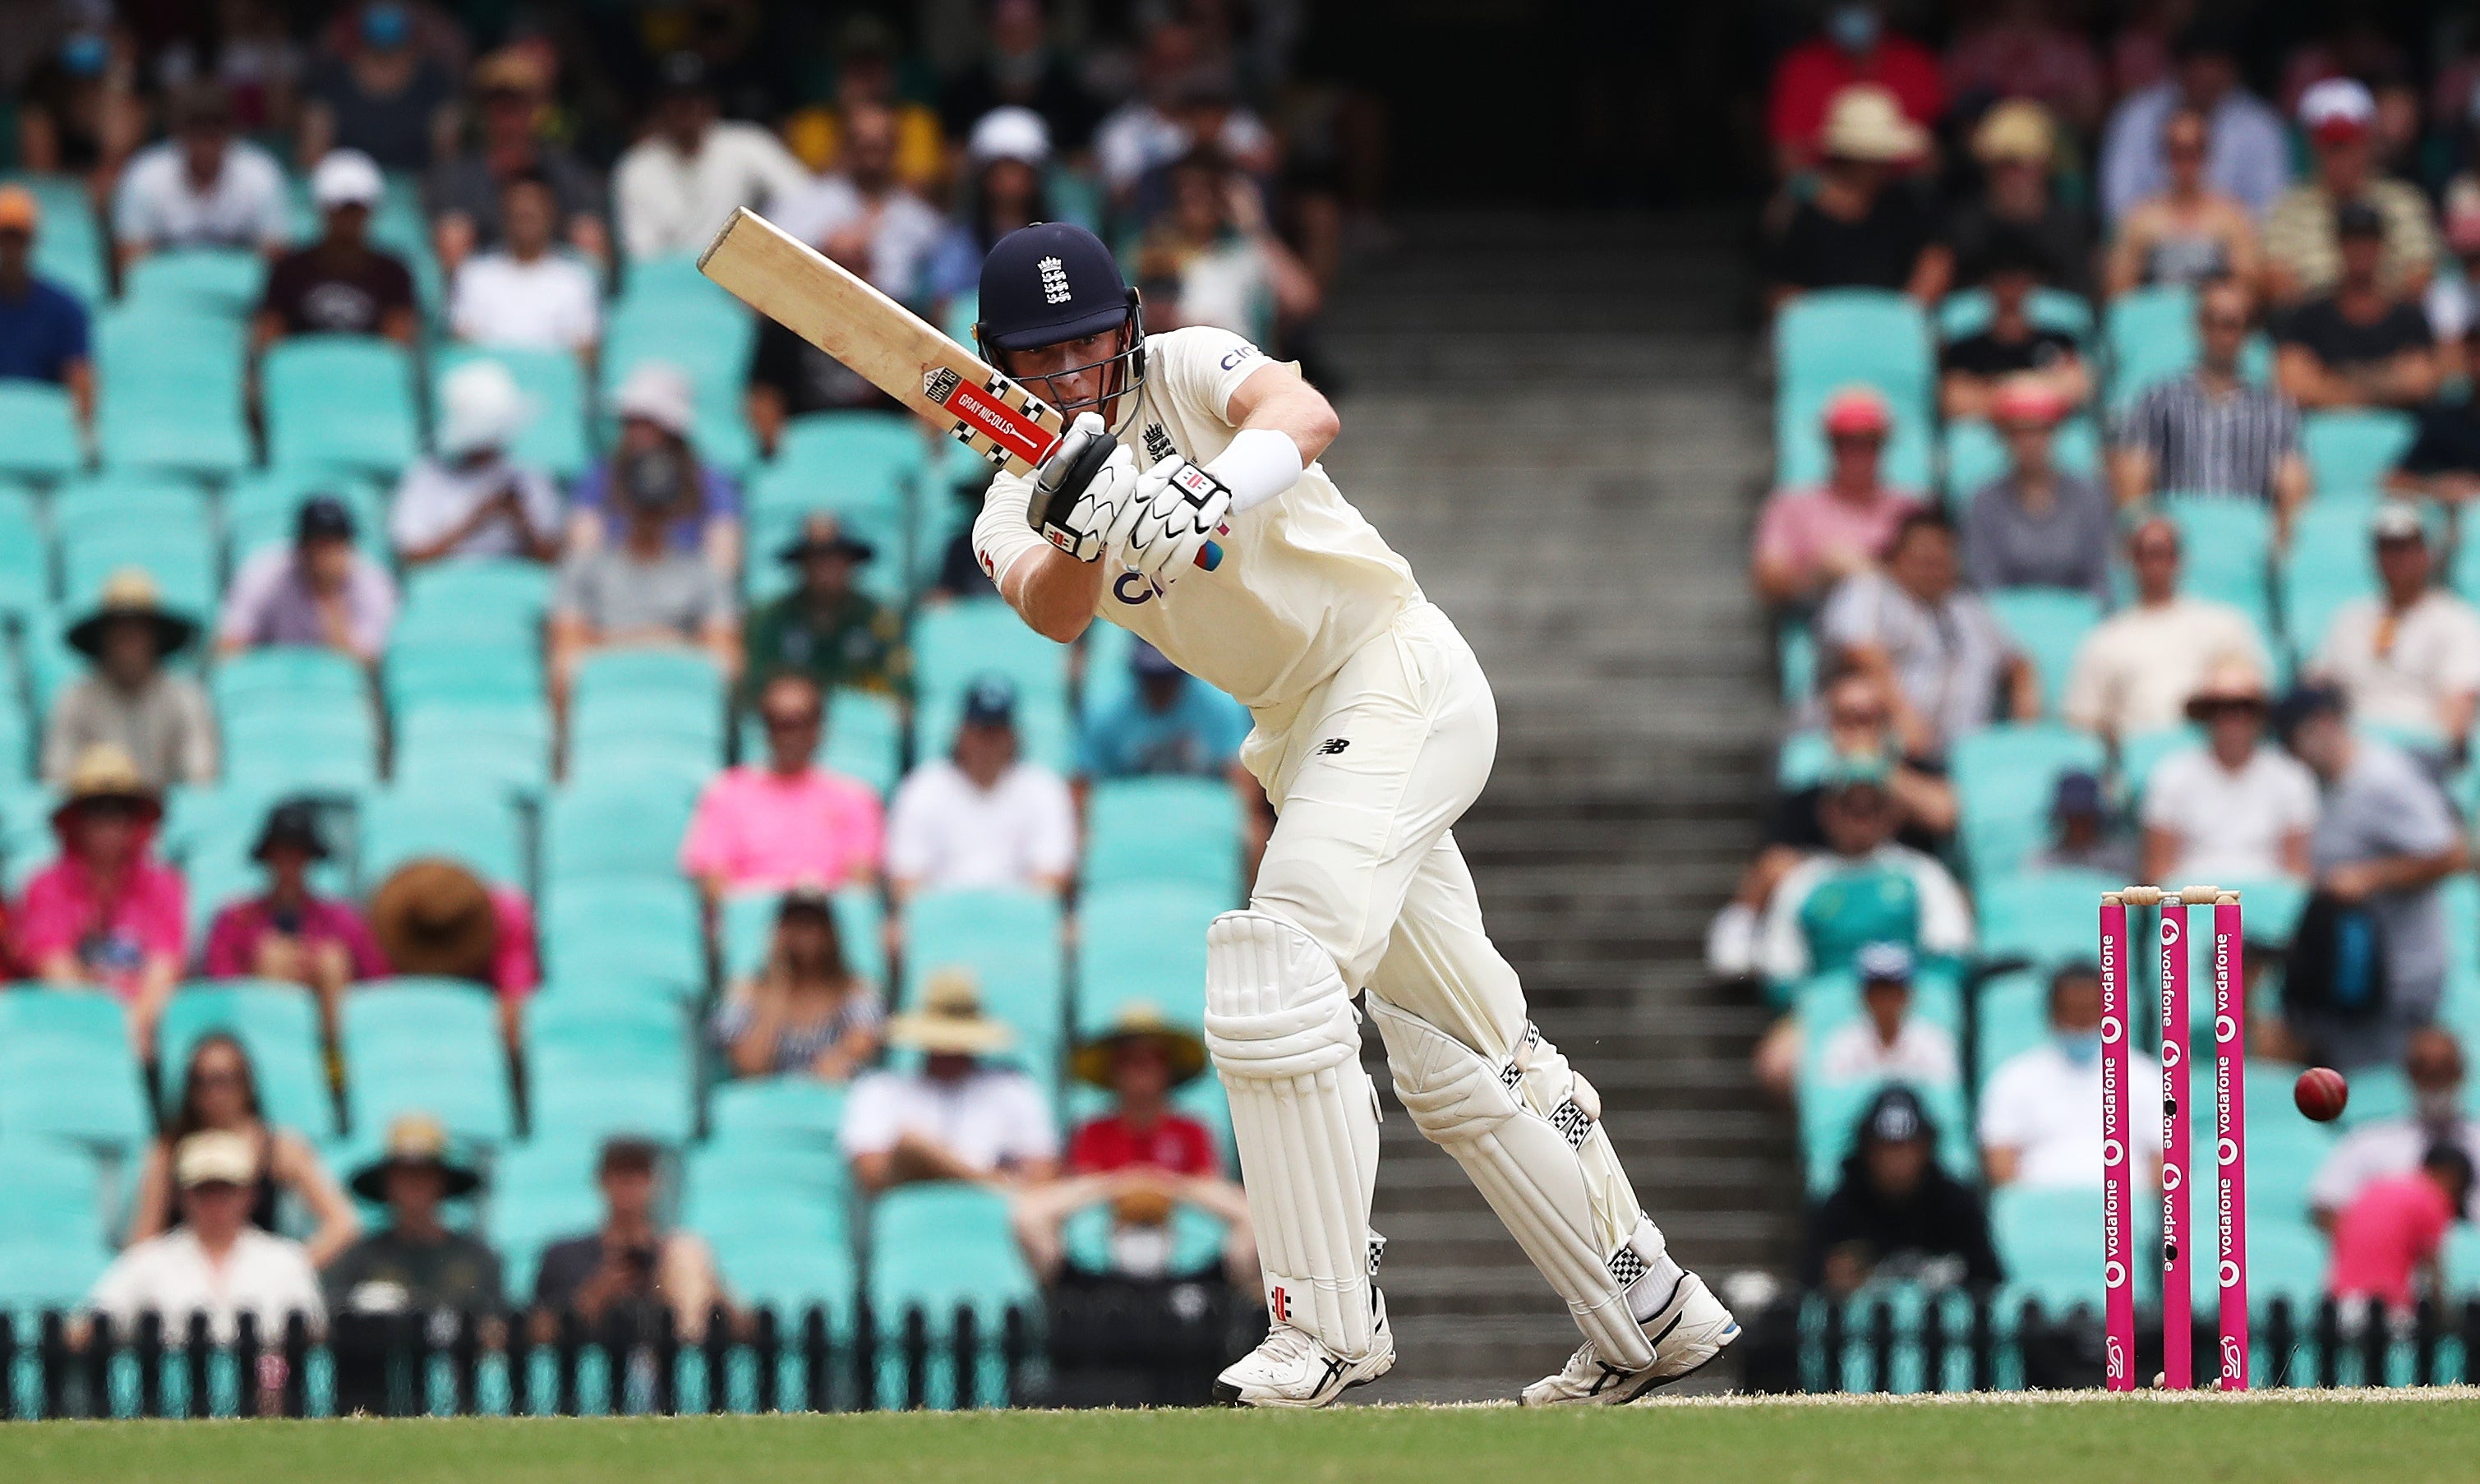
[65, 1069]
[169, 389]
[25, 571]
[629, 826]
[1165, 830]
[542, 1192]
[340, 400]
[2349, 452]
[623, 935]
[554, 437]
[1143, 942]
[2051, 1243]
[598, 1067]
[278, 1025]
[747, 926]
[865, 738]
[2047, 916]
[428, 1045]
[939, 1247]
[223, 283]
[1010, 941]
[1975, 455]
[472, 823]
[2048, 624]
[2004, 777]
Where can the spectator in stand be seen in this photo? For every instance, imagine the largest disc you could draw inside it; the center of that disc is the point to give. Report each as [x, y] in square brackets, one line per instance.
[2451, 305]
[2210, 432]
[805, 1012]
[42, 327]
[217, 1095]
[955, 1116]
[339, 285]
[2135, 673]
[863, 215]
[1155, 127]
[525, 294]
[785, 821]
[2376, 1148]
[984, 816]
[2250, 153]
[160, 718]
[1144, 1160]
[107, 915]
[1018, 69]
[201, 188]
[2036, 524]
[2017, 146]
[2444, 460]
[1170, 725]
[2084, 836]
[1809, 539]
[1947, 666]
[512, 92]
[2019, 50]
[416, 1263]
[1888, 1042]
[2040, 1112]
[2362, 344]
[2303, 252]
[320, 591]
[383, 96]
[865, 78]
[674, 185]
[473, 498]
[1866, 225]
[1210, 257]
[2407, 659]
[2385, 837]
[256, 58]
[434, 917]
[643, 590]
[2232, 808]
[1863, 888]
[287, 932]
[2387, 1242]
[657, 411]
[1854, 50]
[825, 628]
[632, 1264]
[2013, 347]
[1002, 189]
[2190, 232]
[1897, 1215]
[217, 1262]
[80, 110]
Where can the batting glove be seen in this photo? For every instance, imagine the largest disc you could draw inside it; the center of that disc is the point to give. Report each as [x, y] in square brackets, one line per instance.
[1081, 491]
[1174, 510]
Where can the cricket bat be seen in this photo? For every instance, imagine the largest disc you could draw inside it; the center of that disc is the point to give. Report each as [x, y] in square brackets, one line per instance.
[887, 344]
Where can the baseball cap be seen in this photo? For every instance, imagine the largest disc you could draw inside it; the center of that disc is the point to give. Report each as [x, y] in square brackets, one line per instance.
[1010, 134]
[2337, 109]
[2076, 794]
[660, 394]
[990, 702]
[345, 177]
[322, 517]
[2303, 705]
[2396, 521]
[19, 211]
[1857, 410]
[215, 1157]
[1896, 1117]
[1884, 963]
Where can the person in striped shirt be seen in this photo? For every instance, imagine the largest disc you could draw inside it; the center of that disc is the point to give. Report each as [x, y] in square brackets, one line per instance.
[2211, 432]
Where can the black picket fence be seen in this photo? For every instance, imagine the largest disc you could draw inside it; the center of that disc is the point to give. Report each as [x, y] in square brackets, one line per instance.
[1910, 1342]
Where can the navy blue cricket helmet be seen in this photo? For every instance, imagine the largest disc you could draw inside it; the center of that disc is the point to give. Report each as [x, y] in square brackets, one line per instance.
[1055, 281]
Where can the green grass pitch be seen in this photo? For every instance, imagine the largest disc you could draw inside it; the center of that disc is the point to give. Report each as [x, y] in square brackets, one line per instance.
[2396, 1437]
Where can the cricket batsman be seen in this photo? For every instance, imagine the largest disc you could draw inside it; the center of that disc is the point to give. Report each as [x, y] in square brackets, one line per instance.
[1375, 730]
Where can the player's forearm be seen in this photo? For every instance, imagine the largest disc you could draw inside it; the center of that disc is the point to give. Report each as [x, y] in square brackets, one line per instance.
[1276, 397]
[1053, 592]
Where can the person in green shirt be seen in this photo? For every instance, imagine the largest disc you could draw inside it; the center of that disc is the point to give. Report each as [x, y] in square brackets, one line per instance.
[827, 628]
[414, 1263]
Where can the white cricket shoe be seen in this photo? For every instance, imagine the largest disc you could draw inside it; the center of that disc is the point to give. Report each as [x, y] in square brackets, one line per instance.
[1687, 1332]
[1292, 1368]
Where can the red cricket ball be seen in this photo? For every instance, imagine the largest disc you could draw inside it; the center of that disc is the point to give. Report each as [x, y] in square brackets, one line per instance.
[2321, 1093]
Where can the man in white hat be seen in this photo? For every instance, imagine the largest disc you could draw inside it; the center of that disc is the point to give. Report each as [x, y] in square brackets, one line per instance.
[472, 498]
[341, 283]
[523, 295]
[957, 1114]
[2303, 249]
[215, 1263]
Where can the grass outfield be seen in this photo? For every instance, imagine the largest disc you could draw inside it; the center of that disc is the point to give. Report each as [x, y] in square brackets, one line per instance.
[2335, 1438]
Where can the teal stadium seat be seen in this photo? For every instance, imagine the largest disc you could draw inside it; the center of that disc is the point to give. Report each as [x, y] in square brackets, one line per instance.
[261, 510]
[419, 672]
[1830, 338]
[541, 1191]
[40, 1274]
[747, 926]
[956, 645]
[170, 388]
[1143, 944]
[222, 282]
[483, 599]
[278, 1024]
[2051, 917]
[599, 1068]
[286, 679]
[1967, 312]
[1010, 940]
[1828, 1000]
[778, 1214]
[801, 1111]
[2226, 544]
[635, 687]
[2139, 754]
[2329, 564]
[2349, 452]
[1800, 453]
[701, 331]
[428, 1045]
[310, 749]
[2013, 1018]
[340, 400]
[472, 823]
[38, 432]
[152, 522]
[2051, 1243]
[1165, 829]
[624, 936]
[25, 556]
[553, 437]
[66, 1070]
[506, 746]
[2048, 624]
[57, 1196]
[2003, 778]
[939, 1247]
[617, 828]
[68, 250]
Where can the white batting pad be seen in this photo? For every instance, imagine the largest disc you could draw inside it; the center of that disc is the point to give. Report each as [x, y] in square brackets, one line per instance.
[1527, 1132]
[1279, 1024]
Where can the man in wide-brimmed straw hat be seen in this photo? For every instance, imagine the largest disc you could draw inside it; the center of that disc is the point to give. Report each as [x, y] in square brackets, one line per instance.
[159, 718]
[2236, 809]
[107, 913]
[1860, 227]
[1144, 1159]
[432, 916]
[954, 1116]
[414, 1265]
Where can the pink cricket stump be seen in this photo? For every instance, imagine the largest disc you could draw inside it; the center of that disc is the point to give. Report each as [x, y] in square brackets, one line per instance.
[2230, 1136]
[2117, 1222]
[2178, 1335]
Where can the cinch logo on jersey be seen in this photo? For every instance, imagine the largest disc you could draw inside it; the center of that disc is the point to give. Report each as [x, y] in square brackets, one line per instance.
[1055, 281]
[1237, 355]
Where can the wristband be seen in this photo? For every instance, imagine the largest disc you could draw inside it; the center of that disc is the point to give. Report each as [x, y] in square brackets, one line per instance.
[1260, 464]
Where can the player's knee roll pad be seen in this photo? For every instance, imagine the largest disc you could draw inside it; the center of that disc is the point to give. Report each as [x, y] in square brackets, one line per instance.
[1548, 1171]
[1281, 1028]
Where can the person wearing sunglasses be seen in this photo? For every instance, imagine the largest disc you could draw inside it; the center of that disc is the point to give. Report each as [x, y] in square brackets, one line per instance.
[2192, 231]
[2212, 430]
[785, 821]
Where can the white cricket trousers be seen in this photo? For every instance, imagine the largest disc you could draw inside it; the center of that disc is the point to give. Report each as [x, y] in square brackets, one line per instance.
[1368, 774]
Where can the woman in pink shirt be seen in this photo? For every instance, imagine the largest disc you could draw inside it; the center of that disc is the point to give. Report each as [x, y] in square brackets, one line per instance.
[107, 915]
[1810, 539]
[2388, 1236]
[785, 821]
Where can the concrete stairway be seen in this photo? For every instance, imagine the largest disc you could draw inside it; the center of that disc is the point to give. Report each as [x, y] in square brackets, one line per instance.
[1553, 417]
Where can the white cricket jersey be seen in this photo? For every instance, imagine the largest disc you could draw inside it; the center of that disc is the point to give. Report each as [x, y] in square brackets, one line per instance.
[1305, 581]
